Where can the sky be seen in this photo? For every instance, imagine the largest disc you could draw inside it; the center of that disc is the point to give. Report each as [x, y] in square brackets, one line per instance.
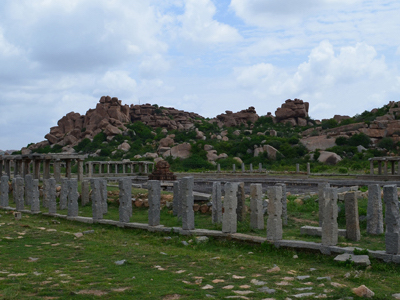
[203, 56]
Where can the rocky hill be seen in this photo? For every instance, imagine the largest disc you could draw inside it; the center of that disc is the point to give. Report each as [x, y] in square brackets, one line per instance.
[117, 131]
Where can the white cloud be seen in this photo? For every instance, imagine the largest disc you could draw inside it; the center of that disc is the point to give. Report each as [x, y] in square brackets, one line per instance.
[199, 26]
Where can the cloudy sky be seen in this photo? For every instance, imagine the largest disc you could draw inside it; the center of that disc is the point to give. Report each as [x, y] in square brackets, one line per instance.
[206, 56]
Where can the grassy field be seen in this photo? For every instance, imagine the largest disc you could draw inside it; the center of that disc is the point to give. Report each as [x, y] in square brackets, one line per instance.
[47, 258]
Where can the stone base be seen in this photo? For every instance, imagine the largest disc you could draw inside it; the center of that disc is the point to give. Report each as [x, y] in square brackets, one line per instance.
[317, 231]
[362, 260]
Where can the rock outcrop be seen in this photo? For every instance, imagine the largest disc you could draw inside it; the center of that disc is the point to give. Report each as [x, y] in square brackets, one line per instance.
[294, 112]
[230, 119]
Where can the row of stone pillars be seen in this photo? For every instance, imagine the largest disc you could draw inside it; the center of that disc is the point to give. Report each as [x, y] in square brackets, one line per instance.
[260, 169]
[385, 161]
[94, 168]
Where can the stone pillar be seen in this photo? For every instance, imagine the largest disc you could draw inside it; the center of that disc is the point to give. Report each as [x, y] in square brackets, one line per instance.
[379, 167]
[243, 168]
[4, 191]
[392, 219]
[241, 205]
[146, 169]
[90, 169]
[371, 167]
[28, 189]
[321, 200]
[330, 225]
[352, 221]
[46, 192]
[218, 168]
[57, 170]
[187, 203]
[284, 203]
[308, 169]
[19, 193]
[177, 201]
[35, 203]
[104, 196]
[260, 167]
[7, 166]
[36, 169]
[15, 168]
[97, 207]
[297, 168]
[73, 196]
[251, 168]
[374, 210]
[385, 167]
[140, 168]
[80, 169]
[101, 165]
[274, 221]
[108, 168]
[125, 200]
[256, 207]
[46, 172]
[64, 194]
[26, 170]
[52, 196]
[154, 202]
[116, 168]
[234, 168]
[229, 218]
[85, 192]
[68, 168]
[216, 203]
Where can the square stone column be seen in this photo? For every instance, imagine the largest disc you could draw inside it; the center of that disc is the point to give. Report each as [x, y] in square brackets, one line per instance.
[97, 207]
[28, 189]
[274, 221]
[392, 219]
[216, 203]
[251, 168]
[218, 168]
[19, 193]
[374, 210]
[329, 224]
[321, 201]
[80, 169]
[68, 168]
[85, 190]
[256, 207]
[371, 167]
[26, 165]
[35, 204]
[308, 169]
[243, 168]
[57, 170]
[154, 197]
[233, 168]
[4, 191]
[241, 205]
[104, 196]
[385, 167]
[90, 169]
[297, 168]
[260, 167]
[187, 203]
[36, 169]
[177, 200]
[284, 203]
[125, 200]
[64, 194]
[229, 218]
[7, 165]
[352, 220]
[73, 196]
[46, 172]
[52, 196]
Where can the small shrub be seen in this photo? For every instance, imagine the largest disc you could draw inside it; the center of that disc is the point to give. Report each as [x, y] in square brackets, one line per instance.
[342, 170]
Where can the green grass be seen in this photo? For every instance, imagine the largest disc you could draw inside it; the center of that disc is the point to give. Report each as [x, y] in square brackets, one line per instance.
[159, 265]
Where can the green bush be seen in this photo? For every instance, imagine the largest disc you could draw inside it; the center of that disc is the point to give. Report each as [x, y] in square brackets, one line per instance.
[341, 141]
[386, 143]
[359, 139]
[342, 170]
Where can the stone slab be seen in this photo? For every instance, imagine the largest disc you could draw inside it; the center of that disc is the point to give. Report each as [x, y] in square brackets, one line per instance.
[317, 231]
[362, 260]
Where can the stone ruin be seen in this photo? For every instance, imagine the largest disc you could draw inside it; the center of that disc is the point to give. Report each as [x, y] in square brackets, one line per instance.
[328, 232]
[162, 172]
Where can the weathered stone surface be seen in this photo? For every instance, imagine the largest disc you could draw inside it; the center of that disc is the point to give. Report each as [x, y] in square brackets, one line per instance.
[4, 191]
[177, 200]
[154, 202]
[35, 203]
[229, 219]
[284, 203]
[321, 187]
[52, 196]
[216, 203]
[103, 194]
[73, 196]
[46, 191]
[124, 147]
[230, 119]
[274, 221]
[162, 172]
[352, 221]
[64, 194]
[362, 260]
[19, 193]
[374, 210]
[363, 291]
[166, 142]
[181, 150]
[317, 231]
[329, 158]
[321, 142]
[292, 109]
[256, 207]
[28, 189]
[97, 208]
[392, 219]
[125, 200]
[85, 192]
[330, 225]
[241, 205]
[187, 203]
